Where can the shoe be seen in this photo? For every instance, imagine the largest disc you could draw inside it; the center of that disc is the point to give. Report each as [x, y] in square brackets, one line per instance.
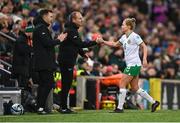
[118, 111]
[154, 106]
[67, 111]
[41, 111]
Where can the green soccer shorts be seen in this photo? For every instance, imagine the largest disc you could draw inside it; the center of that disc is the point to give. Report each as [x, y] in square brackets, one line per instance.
[132, 70]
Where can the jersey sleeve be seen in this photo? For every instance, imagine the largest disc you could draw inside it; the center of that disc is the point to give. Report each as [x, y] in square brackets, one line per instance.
[138, 39]
[121, 40]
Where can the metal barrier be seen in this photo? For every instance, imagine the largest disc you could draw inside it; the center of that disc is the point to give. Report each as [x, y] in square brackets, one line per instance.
[9, 72]
[7, 36]
[5, 63]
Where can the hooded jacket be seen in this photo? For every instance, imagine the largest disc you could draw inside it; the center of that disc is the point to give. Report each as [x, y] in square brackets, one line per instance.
[72, 46]
[43, 44]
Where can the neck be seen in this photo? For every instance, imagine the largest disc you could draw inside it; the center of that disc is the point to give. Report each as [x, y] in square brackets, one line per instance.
[45, 21]
[128, 33]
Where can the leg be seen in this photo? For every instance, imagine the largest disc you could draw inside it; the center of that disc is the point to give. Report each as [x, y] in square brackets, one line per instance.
[142, 93]
[45, 86]
[134, 84]
[122, 92]
[67, 78]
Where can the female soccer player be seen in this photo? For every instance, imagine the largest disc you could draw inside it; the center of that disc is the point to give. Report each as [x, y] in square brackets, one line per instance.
[130, 42]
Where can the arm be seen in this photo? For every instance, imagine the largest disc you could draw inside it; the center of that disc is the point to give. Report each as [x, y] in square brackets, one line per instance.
[76, 40]
[46, 40]
[144, 47]
[109, 43]
[112, 43]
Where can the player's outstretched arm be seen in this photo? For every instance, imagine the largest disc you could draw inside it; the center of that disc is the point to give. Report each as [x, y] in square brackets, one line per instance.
[108, 43]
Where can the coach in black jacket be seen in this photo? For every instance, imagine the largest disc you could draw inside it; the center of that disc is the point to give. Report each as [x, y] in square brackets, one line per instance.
[68, 52]
[44, 55]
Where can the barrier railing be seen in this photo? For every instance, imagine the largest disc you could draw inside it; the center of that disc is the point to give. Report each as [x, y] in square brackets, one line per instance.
[9, 72]
[5, 63]
[7, 36]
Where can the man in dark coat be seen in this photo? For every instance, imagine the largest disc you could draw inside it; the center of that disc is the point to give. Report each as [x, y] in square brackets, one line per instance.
[21, 57]
[44, 55]
[68, 52]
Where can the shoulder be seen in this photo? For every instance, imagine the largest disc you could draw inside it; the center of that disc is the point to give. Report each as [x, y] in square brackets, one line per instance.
[122, 38]
[73, 33]
[40, 27]
[135, 35]
[136, 38]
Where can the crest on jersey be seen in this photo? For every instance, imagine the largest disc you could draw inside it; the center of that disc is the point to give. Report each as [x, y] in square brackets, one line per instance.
[129, 41]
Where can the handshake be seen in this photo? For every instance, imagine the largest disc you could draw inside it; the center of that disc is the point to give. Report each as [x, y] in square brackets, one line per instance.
[99, 40]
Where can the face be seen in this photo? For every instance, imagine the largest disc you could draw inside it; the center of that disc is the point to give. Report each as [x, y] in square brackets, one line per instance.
[78, 20]
[124, 27]
[49, 18]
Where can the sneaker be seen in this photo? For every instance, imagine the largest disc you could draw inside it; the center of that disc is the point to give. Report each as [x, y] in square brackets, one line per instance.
[67, 111]
[154, 106]
[118, 111]
[41, 111]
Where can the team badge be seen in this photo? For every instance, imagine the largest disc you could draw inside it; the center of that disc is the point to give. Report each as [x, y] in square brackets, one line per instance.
[129, 41]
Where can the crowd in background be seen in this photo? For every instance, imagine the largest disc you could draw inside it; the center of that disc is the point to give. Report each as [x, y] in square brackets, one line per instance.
[158, 23]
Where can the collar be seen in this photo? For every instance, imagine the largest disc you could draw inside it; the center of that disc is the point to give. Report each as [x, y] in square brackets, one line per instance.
[127, 35]
[43, 22]
[74, 26]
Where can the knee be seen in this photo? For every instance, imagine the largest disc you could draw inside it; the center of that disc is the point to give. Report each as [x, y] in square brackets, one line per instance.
[140, 90]
[122, 84]
[134, 90]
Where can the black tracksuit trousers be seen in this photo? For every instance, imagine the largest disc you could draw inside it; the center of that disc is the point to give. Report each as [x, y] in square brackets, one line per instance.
[46, 83]
[66, 78]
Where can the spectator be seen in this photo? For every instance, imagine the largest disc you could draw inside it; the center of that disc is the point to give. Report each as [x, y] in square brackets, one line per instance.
[21, 58]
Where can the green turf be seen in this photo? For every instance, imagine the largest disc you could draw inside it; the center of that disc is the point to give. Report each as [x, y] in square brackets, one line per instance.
[98, 116]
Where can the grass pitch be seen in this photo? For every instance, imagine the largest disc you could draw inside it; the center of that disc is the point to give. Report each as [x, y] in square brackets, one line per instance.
[98, 116]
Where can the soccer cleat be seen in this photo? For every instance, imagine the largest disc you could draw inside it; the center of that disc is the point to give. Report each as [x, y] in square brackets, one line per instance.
[67, 111]
[118, 111]
[154, 106]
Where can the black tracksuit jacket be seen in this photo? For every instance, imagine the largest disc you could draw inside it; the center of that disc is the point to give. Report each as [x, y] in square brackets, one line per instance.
[43, 44]
[72, 46]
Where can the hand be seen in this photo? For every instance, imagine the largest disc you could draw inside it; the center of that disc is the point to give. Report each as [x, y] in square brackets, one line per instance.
[62, 36]
[86, 57]
[145, 64]
[99, 40]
